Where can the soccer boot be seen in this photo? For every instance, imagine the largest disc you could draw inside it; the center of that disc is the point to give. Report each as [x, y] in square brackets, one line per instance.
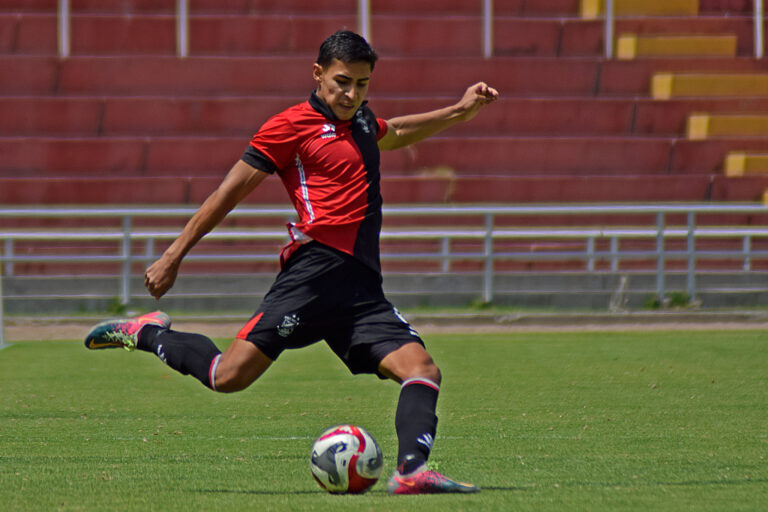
[425, 481]
[123, 332]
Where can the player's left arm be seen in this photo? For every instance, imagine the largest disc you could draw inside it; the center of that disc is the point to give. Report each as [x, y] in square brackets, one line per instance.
[405, 130]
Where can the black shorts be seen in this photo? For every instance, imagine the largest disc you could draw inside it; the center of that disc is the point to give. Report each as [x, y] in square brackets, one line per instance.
[324, 294]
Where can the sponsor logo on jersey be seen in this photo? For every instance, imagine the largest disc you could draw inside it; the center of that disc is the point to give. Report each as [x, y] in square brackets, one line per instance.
[328, 131]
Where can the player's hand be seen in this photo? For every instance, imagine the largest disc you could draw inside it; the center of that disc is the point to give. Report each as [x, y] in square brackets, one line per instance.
[160, 276]
[477, 96]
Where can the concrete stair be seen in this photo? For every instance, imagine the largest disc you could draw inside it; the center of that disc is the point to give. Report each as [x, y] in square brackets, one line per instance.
[633, 46]
[594, 8]
[125, 112]
[680, 85]
[705, 125]
[739, 163]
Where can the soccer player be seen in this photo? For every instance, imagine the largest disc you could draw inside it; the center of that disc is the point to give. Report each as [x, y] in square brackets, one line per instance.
[326, 152]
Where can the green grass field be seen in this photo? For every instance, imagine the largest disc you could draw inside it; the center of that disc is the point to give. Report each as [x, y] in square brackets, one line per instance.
[556, 421]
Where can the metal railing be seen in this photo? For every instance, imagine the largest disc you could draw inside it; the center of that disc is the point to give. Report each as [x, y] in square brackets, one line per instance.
[475, 234]
[364, 27]
[759, 39]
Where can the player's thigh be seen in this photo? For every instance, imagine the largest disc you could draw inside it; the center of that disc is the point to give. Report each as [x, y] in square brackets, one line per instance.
[240, 365]
[409, 361]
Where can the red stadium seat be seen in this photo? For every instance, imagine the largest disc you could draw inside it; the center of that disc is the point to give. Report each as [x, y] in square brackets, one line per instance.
[261, 34]
[26, 75]
[35, 116]
[575, 156]
[123, 34]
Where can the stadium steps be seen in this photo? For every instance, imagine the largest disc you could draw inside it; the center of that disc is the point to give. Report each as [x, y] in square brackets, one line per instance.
[539, 8]
[738, 163]
[501, 155]
[420, 77]
[240, 116]
[670, 117]
[676, 85]
[632, 46]
[727, 7]
[81, 116]
[585, 37]
[707, 125]
[422, 189]
[562, 103]
[634, 77]
[591, 9]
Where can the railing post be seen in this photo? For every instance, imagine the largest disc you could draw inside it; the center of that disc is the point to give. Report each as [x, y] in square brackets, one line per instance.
[2, 321]
[691, 248]
[746, 246]
[660, 256]
[63, 28]
[149, 250]
[759, 42]
[125, 286]
[609, 29]
[8, 252]
[590, 254]
[364, 18]
[614, 254]
[182, 28]
[445, 252]
[488, 253]
[487, 29]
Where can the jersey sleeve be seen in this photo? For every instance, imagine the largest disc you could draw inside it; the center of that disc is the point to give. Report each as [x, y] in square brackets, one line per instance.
[382, 128]
[273, 147]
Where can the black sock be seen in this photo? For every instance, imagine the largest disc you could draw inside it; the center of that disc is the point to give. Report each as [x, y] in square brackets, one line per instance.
[187, 353]
[415, 422]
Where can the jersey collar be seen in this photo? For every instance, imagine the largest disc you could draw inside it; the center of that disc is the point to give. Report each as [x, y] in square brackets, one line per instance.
[322, 107]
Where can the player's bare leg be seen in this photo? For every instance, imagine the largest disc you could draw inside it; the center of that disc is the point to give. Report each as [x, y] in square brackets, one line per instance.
[239, 366]
[188, 353]
[416, 423]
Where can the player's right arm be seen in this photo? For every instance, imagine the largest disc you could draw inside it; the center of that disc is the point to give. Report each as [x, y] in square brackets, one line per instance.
[241, 180]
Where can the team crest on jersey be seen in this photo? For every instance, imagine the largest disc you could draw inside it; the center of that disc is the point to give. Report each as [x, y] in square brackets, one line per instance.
[360, 119]
[289, 323]
[328, 131]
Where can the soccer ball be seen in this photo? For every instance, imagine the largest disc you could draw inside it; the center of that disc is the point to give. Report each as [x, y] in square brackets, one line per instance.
[346, 459]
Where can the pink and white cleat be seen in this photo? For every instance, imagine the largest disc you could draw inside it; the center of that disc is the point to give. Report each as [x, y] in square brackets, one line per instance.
[123, 332]
[424, 481]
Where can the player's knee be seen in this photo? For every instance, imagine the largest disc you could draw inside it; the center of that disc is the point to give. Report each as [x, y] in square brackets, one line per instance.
[240, 365]
[232, 379]
[424, 368]
[230, 382]
[432, 372]
[410, 362]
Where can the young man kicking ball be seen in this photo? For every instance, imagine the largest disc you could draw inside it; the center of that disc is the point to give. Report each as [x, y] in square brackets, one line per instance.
[326, 152]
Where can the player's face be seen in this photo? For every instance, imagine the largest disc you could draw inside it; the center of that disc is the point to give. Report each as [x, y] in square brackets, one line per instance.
[343, 86]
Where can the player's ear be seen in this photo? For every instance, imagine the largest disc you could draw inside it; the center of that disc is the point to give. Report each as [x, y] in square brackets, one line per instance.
[317, 72]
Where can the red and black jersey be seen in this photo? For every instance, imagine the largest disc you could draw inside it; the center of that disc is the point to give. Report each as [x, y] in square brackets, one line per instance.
[330, 169]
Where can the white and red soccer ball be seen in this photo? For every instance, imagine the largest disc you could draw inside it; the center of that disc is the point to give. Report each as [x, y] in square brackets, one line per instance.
[346, 459]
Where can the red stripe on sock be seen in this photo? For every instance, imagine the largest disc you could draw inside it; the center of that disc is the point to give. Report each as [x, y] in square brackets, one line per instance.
[423, 382]
[243, 334]
[212, 371]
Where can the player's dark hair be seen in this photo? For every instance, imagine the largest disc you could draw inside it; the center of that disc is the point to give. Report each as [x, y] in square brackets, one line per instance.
[348, 47]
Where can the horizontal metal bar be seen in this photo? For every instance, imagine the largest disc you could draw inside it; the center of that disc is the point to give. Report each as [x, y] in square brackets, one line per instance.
[421, 234]
[271, 211]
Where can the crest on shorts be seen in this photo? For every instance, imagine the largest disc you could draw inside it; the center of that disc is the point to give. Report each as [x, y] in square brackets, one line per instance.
[288, 324]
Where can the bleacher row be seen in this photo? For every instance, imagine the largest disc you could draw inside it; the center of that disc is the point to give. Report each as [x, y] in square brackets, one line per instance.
[124, 120]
